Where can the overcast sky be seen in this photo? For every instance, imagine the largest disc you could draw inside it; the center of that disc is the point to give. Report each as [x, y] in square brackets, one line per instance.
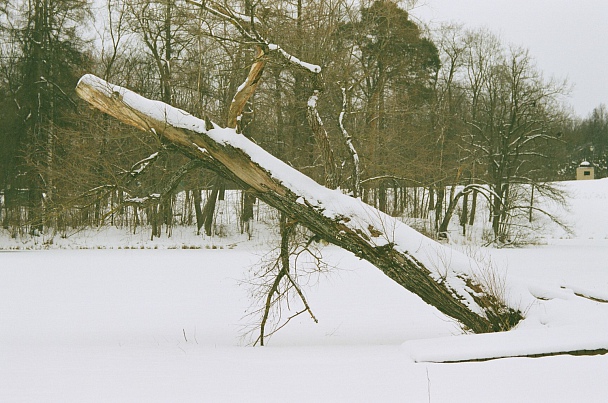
[568, 39]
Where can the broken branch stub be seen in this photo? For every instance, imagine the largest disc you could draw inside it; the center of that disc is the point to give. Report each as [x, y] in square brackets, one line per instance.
[247, 89]
[404, 255]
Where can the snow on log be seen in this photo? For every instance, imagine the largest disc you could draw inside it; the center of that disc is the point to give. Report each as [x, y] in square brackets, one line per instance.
[544, 341]
[438, 275]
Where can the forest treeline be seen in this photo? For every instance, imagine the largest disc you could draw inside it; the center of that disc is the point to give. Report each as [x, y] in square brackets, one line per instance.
[418, 121]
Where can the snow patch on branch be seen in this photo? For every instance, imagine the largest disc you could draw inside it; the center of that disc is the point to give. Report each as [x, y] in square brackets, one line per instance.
[313, 68]
[312, 101]
[141, 165]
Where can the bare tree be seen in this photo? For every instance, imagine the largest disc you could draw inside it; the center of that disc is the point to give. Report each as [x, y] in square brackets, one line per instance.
[41, 50]
[511, 116]
[509, 129]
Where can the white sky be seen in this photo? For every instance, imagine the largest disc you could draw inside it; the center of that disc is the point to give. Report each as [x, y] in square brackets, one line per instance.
[568, 39]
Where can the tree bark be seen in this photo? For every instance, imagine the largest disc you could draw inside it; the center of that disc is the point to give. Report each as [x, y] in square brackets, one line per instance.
[198, 201]
[209, 208]
[397, 250]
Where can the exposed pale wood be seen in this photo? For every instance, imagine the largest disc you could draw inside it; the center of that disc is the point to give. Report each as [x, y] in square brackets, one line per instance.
[247, 89]
[233, 159]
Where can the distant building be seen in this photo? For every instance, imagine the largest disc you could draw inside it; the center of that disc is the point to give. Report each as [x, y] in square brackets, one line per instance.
[585, 171]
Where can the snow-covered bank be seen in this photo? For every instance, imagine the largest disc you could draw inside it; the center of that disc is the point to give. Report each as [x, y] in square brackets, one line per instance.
[588, 212]
[165, 325]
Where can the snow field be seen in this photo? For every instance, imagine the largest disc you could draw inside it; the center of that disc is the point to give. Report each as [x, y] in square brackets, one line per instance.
[165, 325]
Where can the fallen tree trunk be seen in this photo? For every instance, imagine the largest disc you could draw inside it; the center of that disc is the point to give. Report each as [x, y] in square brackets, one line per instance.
[439, 276]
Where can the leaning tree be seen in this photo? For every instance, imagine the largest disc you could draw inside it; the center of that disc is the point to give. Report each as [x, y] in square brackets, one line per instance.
[450, 283]
[404, 255]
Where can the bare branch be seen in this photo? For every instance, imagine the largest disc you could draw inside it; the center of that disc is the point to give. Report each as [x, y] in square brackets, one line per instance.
[318, 129]
[351, 148]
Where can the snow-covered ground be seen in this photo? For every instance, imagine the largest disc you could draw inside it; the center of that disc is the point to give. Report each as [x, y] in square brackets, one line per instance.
[166, 325]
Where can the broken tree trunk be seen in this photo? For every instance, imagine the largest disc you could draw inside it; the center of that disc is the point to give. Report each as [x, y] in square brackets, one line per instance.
[439, 276]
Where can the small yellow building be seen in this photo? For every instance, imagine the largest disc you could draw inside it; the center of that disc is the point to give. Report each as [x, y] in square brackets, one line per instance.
[585, 171]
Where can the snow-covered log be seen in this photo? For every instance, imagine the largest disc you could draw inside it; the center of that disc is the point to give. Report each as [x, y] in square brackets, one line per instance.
[438, 275]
